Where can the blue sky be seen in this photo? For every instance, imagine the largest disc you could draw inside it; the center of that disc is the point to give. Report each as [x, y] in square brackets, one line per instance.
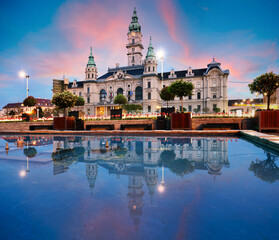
[50, 38]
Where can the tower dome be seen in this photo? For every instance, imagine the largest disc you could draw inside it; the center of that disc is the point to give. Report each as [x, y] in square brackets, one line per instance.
[91, 62]
[150, 53]
[134, 25]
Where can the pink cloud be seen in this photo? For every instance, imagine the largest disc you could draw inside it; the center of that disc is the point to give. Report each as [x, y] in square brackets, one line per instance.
[169, 15]
[249, 59]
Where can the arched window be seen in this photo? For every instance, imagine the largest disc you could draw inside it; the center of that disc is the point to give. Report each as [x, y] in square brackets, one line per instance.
[149, 95]
[133, 40]
[120, 91]
[138, 93]
[88, 99]
[199, 95]
[214, 95]
[148, 69]
[92, 75]
[153, 69]
[88, 75]
[103, 95]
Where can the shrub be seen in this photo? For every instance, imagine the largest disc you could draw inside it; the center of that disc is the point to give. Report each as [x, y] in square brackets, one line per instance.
[120, 99]
[216, 110]
[29, 101]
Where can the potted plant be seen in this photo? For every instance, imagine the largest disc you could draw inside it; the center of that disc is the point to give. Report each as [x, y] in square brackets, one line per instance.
[64, 100]
[266, 84]
[181, 89]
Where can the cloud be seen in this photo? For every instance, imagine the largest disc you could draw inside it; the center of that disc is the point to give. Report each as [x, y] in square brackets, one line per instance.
[169, 15]
[239, 51]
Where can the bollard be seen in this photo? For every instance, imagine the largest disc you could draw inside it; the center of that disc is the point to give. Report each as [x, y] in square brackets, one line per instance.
[7, 146]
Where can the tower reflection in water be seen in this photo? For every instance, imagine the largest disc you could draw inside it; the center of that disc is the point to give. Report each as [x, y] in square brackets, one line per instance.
[140, 159]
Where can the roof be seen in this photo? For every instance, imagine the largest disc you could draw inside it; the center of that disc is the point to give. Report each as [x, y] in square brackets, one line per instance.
[132, 70]
[80, 83]
[43, 102]
[13, 105]
[39, 102]
[182, 74]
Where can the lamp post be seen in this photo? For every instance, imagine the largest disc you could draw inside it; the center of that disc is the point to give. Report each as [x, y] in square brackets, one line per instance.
[22, 74]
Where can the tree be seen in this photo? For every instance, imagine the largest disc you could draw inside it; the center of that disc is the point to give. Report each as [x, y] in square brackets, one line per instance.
[30, 152]
[178, 166]
[265, 84]
[120, 99]
[29, 101]
[166, 95]
[64, 100]
[216, 109]
[80, 101]
[196, 110]
[267, 170]
[181, 89]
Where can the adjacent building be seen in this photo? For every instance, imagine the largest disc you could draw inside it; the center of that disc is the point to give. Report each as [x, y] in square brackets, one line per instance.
[19, 108]
[141, 82]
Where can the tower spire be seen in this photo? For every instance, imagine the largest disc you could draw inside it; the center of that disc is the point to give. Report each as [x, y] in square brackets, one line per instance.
[150, 52]
[91, 62]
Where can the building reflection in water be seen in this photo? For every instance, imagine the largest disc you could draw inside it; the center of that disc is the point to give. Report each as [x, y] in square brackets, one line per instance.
[140, 159]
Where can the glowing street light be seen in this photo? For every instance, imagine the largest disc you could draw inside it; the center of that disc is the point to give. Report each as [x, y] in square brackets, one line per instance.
[160, 55]
[22, 74]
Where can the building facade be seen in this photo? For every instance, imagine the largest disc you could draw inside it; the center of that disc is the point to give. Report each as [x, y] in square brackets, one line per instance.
[141, 82]
[19, 108]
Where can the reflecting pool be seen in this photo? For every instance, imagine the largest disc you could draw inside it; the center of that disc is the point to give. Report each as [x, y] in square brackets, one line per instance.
[86, 187]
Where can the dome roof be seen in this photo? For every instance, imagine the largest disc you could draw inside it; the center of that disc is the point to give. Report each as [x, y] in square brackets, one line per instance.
[213, 63]
[134, 25]
[91, 62]
[150, 53]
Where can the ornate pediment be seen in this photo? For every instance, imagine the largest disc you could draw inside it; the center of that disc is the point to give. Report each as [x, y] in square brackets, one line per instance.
[119, 75]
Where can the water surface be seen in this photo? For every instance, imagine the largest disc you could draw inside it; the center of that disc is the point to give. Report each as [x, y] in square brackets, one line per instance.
[137, 188]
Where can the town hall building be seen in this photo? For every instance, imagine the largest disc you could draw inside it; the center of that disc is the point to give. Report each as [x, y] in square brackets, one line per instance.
[140, 82]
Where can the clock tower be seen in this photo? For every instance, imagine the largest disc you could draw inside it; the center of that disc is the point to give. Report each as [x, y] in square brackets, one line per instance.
[134, 45]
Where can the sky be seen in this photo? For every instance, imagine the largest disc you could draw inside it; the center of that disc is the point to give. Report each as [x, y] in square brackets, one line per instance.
[51, 39]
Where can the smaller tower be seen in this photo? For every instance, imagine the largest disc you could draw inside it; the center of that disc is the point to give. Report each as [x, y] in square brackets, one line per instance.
[150, 62]
[91, 69]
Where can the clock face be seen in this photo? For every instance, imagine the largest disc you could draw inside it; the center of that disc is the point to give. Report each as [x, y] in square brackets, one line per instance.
[133, 34]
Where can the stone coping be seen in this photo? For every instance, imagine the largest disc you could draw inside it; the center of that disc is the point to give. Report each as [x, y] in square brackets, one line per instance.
[127, 132]
[267, 140]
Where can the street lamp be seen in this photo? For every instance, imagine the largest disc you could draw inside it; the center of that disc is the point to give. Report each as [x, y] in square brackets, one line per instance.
[22, 74]
[160, 55]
